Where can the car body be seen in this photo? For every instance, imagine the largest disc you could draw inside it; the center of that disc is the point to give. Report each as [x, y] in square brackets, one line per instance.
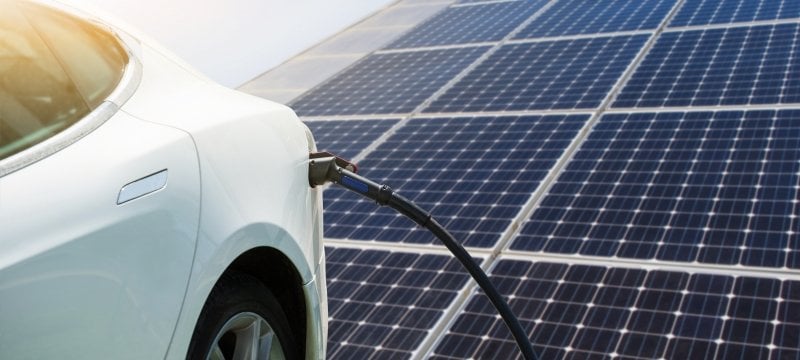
[116, 224]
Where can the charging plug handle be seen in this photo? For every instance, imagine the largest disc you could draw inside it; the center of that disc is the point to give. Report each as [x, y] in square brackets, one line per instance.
[324, 167]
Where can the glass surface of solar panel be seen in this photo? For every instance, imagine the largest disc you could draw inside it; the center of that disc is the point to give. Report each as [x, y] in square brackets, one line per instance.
[347, 138]
[573, 17]
[469, 24]
[704, 12]
[582, 311]
[383, 304]
[391, 83]
[567, 74]
[473, 174]
[708, 187]
[731, 66]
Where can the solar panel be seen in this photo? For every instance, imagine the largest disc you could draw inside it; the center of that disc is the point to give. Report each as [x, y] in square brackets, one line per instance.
[709, 187]
[703, 12]
[584, 311]
[347, 138]
[392, 83]
[729, 66]
[567, 74]
[383, 304]
[469, 24]
[572, 17]
[473, 174]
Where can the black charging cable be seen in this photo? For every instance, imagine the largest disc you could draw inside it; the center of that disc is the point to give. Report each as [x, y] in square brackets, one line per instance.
[324, 167]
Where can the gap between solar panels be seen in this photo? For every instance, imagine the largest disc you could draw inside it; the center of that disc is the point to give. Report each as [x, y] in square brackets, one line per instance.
[730, 25]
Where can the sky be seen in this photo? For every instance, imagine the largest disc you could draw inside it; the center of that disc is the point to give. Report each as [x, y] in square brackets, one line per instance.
[234, 41]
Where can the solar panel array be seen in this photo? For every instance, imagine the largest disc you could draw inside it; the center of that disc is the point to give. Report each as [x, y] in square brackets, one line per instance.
[627, 170]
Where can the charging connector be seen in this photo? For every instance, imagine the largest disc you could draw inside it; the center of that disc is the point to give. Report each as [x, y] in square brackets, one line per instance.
[324, 167]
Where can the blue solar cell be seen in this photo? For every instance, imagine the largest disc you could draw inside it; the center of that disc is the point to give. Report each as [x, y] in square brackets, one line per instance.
[703, 12]
[579, 311]
[473, 174]
[732, 66]
[571, 17]
[347, 138]
[391, 83]
[712, 187]
[383, 304]
[568, 74]
[469, 24]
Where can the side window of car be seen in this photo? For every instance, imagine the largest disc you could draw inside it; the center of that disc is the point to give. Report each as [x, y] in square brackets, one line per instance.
[92, 56]
[54, 70]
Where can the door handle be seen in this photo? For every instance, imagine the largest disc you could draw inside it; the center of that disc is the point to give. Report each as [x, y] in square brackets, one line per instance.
[146, 185]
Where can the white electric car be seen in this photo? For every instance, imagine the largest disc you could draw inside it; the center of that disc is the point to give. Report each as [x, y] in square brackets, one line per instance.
[146, 212]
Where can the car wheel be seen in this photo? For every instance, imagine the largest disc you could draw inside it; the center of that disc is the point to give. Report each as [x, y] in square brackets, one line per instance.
[242, 319]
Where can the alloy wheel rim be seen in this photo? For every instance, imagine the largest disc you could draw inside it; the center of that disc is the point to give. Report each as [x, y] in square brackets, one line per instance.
[246, 336]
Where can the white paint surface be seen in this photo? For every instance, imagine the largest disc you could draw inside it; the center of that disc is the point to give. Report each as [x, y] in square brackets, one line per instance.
[236, 40]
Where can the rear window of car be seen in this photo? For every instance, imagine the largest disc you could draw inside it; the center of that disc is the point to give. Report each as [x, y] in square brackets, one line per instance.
[54, 70]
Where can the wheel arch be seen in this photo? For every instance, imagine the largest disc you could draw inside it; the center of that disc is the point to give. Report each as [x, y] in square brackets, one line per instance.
[277, 272]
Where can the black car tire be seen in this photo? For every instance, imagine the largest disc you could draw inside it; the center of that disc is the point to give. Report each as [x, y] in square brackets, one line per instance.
[239, 297]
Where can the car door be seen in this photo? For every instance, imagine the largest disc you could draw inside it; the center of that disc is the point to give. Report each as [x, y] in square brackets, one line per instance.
[98, 210]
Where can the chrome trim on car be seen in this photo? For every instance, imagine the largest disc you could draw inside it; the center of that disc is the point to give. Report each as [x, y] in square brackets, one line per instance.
[131, 77]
